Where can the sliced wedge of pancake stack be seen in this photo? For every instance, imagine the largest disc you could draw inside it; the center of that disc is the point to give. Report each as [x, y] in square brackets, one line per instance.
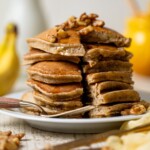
[108, 74]
[81, 55]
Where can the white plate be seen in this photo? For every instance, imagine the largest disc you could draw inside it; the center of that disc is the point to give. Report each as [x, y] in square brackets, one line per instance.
[95, 125]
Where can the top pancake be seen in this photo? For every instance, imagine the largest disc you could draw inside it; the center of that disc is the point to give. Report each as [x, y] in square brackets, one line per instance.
[55, 72]
[68, 38]
[36, 55]
[69, 46]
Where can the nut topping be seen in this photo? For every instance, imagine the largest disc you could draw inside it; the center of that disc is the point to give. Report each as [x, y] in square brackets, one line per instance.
[93, 16]
[62, 34]
[81, 23]
[72, 22]
[86, 30]
[137, 109]
[83, 20]
[83, 16]
[64, 25]
[52, 39]
[87, 21]
[10, 141]
[98, 23]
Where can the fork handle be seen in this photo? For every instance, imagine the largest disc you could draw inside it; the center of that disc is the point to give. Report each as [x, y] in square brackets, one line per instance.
[9, 103]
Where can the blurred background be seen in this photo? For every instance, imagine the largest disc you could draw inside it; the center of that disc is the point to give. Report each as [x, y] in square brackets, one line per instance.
[34, 16]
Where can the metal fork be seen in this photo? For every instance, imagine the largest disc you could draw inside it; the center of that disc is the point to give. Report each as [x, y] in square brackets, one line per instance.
[17, 103]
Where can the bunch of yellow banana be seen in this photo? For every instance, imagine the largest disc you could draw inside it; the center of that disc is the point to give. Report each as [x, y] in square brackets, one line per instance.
[9, 62]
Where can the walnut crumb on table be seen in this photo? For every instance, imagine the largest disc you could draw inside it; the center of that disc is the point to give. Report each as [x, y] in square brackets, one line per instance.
[9, 141]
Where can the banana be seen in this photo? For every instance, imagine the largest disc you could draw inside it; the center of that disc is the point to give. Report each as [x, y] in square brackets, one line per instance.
[3, 45]
[9, 62]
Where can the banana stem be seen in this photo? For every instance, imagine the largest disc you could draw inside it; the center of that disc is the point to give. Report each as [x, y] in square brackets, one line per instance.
[11, 28]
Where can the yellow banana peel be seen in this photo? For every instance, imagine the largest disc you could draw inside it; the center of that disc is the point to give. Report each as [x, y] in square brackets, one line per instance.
[9, 62]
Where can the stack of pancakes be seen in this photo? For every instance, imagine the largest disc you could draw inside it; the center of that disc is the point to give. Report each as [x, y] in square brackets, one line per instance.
[54, 73]
[58, 77]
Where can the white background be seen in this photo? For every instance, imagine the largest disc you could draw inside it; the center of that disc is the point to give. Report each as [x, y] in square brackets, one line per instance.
[114, 12]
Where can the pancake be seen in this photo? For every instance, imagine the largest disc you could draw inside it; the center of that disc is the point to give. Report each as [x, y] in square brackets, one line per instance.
[35, 55]
[62, 107]
[69, 46]
[114, 109]
[96, 53]
[45, 100]
[55, 72]
[108, 86]
[121, 76]
[58, 92]
[106, 36]
[110, 65]
[120, 96]
[50, 111]
[29, 98]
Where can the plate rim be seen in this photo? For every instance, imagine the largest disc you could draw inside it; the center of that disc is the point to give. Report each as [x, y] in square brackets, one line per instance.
[23, 116]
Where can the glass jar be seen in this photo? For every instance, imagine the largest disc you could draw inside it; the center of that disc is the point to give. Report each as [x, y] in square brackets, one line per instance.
[138, 28]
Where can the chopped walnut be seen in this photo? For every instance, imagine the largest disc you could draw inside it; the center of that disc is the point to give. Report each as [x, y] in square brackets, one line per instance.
[62, 34]
[83, 16]
[86, 30]
[87, 18]
[72, 22]
[57, 27]
[9, 141]
[63, 25]
[19, 136]
[81, 23]
[83, 20]
[93, 16]
[125, 112]
[137, 109]
[87, 21]
[52, 39]
[98, 23]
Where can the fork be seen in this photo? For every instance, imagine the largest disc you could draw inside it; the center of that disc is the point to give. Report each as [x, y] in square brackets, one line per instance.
[17, 103]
